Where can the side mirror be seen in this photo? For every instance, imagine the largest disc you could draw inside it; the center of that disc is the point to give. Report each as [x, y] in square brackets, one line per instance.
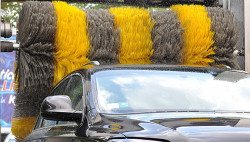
[59, 108]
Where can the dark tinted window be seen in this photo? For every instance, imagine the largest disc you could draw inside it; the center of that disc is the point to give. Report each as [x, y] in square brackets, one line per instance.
[73, 87]
[61, 88]
[75, 91]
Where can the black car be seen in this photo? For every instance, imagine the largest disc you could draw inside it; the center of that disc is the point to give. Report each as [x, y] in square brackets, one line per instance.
[134, 103]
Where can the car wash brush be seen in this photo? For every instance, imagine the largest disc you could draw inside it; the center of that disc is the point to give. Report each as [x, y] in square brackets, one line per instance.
[34, 71]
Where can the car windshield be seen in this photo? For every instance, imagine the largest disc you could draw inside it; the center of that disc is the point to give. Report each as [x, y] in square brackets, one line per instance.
[120, 91]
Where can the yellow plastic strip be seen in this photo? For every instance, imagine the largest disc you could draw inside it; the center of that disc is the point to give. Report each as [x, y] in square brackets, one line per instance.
[72, 42]
[21, 127]
[135, 25]
[197, 34]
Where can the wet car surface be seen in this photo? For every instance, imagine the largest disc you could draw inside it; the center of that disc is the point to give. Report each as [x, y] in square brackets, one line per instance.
[147, 103]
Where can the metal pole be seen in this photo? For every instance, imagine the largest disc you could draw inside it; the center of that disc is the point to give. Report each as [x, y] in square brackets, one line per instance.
[247, 34]
[224, 3]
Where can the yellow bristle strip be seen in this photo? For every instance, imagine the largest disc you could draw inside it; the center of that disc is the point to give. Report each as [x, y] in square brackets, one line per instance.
[198, 36]
[21, 127]
[72, 42]
[135, 25]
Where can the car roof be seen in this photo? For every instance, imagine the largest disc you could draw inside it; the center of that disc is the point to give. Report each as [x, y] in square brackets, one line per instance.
[215, 71]
[212, 70]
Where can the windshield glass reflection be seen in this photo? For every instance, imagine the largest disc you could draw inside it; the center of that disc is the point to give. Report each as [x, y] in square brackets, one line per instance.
[142, 90]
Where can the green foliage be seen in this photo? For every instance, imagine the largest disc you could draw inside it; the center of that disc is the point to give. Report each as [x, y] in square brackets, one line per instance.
[12, 9]
[107, 6]
[93, 6]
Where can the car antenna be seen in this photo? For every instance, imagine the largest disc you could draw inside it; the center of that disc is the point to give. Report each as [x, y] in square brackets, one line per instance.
[96, 63]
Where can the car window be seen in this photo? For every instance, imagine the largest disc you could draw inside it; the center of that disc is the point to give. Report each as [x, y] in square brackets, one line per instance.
[65, 122]
[61, 88]
[71, 86]
[75, 91]
[136, 91]
[46, 123]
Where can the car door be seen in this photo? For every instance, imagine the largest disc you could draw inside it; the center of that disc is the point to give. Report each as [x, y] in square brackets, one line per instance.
[73, 86]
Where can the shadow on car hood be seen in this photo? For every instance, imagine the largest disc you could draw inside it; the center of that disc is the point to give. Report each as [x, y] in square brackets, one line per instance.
[162, 127]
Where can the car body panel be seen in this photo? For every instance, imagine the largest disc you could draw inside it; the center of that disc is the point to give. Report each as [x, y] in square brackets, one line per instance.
[208, 127]
[174, 126]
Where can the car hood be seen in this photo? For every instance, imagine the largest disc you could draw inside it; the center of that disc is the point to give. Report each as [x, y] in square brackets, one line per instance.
[183, 127]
